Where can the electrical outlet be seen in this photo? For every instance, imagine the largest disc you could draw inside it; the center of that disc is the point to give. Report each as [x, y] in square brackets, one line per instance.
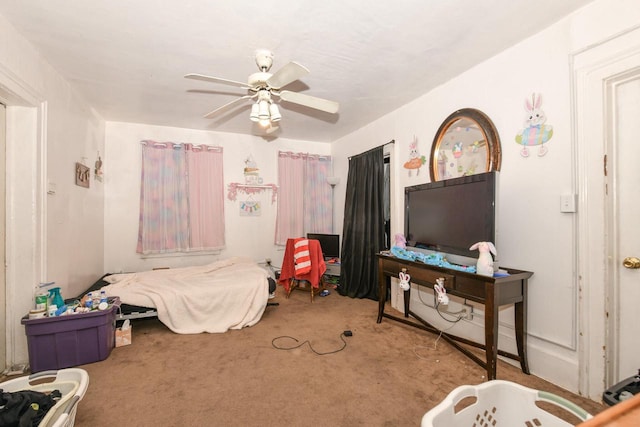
[467, 311]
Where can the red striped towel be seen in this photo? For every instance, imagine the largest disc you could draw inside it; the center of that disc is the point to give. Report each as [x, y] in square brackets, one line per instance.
[301, 256]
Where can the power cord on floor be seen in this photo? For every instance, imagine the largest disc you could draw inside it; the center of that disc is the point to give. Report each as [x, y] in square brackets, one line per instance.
[342, 335]
[435, 343]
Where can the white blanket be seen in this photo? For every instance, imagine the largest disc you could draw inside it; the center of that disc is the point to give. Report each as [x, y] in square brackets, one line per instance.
[227, 294]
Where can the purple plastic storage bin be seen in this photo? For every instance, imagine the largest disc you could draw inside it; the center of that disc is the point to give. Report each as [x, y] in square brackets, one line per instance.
[71, 340]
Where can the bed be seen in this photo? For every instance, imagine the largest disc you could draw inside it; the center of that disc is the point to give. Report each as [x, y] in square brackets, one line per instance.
[216, 297]
[125, 311]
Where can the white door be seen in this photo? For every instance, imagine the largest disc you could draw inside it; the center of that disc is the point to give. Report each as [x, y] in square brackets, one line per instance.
[607, 107]
[623, 218]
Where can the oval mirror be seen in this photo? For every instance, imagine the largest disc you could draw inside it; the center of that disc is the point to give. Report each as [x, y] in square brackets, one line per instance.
[466, 143]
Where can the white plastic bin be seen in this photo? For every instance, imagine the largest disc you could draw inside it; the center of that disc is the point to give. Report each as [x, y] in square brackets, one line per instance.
[501, 404]
[72, 383]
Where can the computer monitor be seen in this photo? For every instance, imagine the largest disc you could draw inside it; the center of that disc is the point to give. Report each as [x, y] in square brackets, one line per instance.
[330, 244]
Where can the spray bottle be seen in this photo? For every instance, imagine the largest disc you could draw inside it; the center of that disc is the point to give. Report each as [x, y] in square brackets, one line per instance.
[55, 297]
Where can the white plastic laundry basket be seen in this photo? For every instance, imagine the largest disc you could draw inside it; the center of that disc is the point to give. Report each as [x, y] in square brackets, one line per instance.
[72, 384]
[499, 403]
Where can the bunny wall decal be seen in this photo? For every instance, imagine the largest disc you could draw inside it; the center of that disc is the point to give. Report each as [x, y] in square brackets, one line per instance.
[415, 159]
[536, 131]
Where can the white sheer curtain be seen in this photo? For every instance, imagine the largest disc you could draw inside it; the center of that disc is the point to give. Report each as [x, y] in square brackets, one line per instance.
[181, 198]
[304, 196]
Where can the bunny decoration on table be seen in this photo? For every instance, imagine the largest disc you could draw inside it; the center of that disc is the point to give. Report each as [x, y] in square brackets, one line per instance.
[400, 241]
[484, 265]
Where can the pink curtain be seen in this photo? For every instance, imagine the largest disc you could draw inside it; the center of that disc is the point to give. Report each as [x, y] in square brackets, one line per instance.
[318, 205]
[206, 197]
[181, 198]
[304, 196]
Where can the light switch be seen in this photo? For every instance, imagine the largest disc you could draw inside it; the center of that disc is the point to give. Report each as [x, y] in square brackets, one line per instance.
[568, 203]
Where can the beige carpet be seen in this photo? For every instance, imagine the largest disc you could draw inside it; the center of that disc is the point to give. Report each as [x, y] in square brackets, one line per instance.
[388, 374]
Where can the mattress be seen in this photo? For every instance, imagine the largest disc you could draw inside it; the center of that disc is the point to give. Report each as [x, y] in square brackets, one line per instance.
[225, 294]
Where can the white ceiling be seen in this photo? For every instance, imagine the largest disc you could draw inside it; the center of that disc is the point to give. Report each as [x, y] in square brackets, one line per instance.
[128, 58]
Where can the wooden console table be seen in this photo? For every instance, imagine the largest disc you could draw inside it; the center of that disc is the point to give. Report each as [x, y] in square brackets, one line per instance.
[493, 292]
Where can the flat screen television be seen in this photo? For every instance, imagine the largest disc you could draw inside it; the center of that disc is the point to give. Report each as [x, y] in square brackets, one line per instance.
[330, 244]
[449, 216]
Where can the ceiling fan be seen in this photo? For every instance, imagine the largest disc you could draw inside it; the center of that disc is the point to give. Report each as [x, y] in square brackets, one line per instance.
[265, 87]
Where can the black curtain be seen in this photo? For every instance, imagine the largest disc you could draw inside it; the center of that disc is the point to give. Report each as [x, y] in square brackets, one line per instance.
[363, 228]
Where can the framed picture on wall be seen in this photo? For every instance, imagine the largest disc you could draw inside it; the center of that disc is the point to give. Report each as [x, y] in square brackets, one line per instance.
[83, 174]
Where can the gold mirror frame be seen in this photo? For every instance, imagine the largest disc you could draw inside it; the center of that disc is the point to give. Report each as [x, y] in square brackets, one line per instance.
[466, 143]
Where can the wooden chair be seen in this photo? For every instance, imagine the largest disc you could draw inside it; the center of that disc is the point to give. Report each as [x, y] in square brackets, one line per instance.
[302, 285]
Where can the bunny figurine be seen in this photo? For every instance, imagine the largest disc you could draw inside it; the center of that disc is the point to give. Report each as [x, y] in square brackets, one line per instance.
[485, 261]
[400, 241]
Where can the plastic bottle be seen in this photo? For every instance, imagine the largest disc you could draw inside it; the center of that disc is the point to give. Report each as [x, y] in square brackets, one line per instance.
[61, 310]
[89, 302]
[41, 300]
[96, 300]
[56, 298]
[104, 301]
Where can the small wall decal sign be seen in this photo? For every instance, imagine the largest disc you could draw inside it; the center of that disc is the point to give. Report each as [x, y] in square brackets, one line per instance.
[250, 208]
[83, 174]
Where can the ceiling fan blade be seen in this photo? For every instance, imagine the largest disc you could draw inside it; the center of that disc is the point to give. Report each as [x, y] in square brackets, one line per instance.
[287, 74]
[310, 101]
[217, 80]
[227, 105]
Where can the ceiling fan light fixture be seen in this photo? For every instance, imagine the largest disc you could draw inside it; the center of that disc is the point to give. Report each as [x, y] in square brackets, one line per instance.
[255, 109]
[263, 110]
[262, 85]
[275, 113]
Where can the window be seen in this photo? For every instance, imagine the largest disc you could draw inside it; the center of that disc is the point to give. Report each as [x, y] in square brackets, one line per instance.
[181, 198]
[304, 196]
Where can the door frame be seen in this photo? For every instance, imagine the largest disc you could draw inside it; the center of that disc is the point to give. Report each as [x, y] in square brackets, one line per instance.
[3, 232]
[26, 226]
[593, 70]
